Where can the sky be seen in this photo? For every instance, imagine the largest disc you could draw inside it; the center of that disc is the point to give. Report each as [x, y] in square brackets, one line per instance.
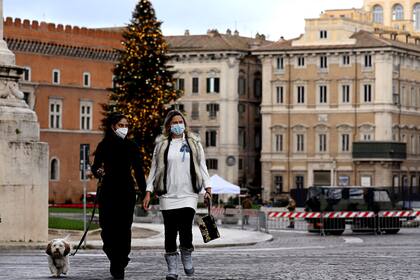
[273, 18]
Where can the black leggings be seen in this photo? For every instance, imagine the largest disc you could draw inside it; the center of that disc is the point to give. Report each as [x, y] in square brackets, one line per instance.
[178, 220]
[116, 218]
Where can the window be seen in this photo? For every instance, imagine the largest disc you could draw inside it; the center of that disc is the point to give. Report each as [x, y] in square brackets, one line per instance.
[416, 17]
[195, 112]
[368, 61]
[56, 76]
[212, 109]
[323, 62]
[279, 95]
[345, 93]
[179, 84]
[280, 63]
[27, 97]
[378, 14]
[278, 142]
[397, 12]
[413, 144]
[195, 85]
[27, 74]
[346, 60]
[86, 79]
[278, 184]
[241, 164]
[345, 142]
[300, 95]
[367, 93]
[257, 139]
[322, 139]
[55, 111]
[299, 181]
[241, 109]
[213, 85]
[211, 136]
[300, 144]
[301, 61]
[366, 137]
[85, 115]
[241, 86]
[178, 106]
[212, 163]
[323, 94]
[257, 87]
[242, 137]
[54, 169]
[323, 34]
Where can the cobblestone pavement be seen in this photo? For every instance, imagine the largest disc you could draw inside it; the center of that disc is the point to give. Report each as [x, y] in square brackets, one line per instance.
[291, 255]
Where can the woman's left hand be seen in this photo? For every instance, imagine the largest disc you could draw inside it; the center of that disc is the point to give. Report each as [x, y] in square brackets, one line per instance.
[207, 195]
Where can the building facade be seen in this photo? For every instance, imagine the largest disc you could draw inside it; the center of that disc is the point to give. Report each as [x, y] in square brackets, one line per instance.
[341, 106]
[221, 82]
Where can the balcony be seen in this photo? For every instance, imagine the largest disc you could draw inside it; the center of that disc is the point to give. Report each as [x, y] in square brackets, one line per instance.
[375, 150]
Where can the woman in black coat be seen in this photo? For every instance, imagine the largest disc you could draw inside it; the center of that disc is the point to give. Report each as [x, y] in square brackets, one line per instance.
[115, 158]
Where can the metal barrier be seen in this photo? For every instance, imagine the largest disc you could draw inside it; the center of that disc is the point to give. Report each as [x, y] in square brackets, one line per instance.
[335, 223]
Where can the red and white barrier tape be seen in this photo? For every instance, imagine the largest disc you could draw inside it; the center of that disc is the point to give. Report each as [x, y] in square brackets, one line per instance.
[399, 214]
[325, 215]
[342, 214]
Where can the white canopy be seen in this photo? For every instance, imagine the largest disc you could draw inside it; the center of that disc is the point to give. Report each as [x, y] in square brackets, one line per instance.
[221, 186]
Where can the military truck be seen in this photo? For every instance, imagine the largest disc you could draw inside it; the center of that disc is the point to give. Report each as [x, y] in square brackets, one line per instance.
[360, 206]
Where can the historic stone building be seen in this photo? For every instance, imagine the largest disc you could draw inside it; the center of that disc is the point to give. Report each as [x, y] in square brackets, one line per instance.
[221, 81]
[69, 71]
[341, 104]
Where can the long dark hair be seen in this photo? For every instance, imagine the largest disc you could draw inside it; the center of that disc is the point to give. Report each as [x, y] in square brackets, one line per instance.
[110, 120]
[166, 130]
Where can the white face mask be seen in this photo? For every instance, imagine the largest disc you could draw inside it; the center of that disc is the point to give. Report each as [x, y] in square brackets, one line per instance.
[121, 132]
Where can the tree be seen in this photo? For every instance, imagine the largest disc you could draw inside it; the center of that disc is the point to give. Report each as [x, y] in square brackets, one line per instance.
[143, 83]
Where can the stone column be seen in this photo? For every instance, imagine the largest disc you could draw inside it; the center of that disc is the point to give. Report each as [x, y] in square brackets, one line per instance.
[23, 159]
[6, 56]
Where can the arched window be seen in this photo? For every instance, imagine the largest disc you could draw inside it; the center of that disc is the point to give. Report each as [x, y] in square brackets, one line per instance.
[416, 16]
[397, 12]
[378, 14]
[54, 168]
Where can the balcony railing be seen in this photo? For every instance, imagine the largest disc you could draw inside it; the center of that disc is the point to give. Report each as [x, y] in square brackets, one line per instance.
[371, 150]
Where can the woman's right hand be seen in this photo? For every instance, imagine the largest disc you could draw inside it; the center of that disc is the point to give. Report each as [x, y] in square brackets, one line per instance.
[100, 172]
[146, 201]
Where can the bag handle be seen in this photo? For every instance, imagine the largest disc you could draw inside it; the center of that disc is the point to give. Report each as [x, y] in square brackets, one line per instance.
[209, 206]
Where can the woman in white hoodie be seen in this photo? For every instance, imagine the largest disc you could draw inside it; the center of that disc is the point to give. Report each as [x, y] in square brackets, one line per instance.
[177, 176]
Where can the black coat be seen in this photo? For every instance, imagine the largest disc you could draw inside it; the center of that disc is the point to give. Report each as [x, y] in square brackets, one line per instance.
[118, 157]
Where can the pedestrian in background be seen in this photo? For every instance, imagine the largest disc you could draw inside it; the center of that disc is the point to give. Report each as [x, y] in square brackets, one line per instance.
[246, 205]
[115, 158]
[291, 207]
[177, 175]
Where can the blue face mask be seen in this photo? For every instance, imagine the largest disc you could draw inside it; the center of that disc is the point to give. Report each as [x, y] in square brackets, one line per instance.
[178, 128]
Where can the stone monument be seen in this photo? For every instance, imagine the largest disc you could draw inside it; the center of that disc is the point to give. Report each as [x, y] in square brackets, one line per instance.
[23, 159]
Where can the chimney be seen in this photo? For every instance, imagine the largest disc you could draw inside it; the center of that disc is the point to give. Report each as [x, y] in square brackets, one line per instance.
[236, 33]
[187, 32]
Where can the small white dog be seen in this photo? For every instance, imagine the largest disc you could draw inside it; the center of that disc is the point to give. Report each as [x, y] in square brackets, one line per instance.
[58, 260]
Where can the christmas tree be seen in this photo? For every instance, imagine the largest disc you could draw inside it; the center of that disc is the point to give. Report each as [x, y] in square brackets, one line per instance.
[143, 83]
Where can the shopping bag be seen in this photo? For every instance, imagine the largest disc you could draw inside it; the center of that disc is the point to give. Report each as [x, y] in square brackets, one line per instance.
[208, 226]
